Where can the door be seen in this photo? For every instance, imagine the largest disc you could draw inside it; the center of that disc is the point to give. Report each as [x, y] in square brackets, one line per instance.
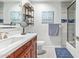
[71, 24]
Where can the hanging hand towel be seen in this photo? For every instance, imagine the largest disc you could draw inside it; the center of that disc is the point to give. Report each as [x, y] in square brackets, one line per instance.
[53, 29]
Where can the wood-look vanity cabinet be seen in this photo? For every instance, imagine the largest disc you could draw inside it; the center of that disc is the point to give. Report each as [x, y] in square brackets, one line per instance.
[28, 50]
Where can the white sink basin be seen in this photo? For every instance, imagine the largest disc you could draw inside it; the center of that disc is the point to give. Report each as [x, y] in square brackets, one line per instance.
[14, 39]
[6, 42]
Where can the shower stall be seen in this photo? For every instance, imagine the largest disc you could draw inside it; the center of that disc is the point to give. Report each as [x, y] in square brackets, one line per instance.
[71, 14]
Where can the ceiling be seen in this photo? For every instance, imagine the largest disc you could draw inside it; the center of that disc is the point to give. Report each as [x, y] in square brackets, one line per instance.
[51, 0]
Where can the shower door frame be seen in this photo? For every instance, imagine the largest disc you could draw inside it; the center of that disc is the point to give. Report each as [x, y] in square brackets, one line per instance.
[68, 23]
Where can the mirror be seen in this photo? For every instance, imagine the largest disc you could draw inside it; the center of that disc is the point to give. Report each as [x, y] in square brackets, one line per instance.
[1, 12]
[71, 24]
[10, 12]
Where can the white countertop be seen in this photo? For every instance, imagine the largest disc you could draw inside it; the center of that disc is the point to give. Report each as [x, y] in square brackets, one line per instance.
[9, 48]
[7, 26]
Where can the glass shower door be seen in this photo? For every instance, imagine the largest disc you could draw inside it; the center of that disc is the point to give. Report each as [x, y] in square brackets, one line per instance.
[71, 24]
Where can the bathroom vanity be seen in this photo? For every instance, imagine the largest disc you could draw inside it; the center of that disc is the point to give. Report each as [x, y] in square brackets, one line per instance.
[19, 46]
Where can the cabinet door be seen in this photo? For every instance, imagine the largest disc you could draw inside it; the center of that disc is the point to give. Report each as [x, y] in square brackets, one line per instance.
[22, 55]
[25, 54]
[18, 52]
[34, 47]
[28, 52]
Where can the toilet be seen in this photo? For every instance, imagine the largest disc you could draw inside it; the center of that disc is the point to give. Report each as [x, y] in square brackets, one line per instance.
[40, 50]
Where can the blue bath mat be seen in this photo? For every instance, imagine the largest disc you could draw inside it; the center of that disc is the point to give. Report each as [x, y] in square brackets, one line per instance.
[63, 53]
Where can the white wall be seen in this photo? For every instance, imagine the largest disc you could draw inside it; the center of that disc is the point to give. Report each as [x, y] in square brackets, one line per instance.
[64, 10]
[77, 27]
[64, 6]
[1, 10]
[8, 7]
[77, 17]
[56, 7]
[25, 1]
[42, 29]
